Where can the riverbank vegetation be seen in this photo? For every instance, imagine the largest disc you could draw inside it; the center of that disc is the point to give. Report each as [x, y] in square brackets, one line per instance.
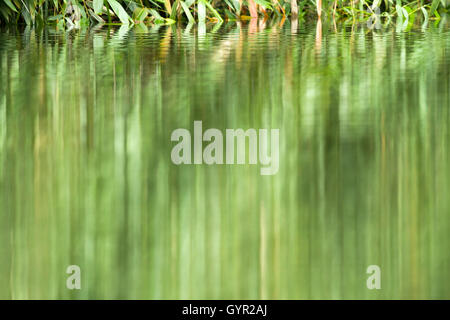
[85, 12]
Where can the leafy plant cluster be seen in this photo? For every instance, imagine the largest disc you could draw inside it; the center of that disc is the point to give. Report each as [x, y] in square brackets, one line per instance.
[79, 12]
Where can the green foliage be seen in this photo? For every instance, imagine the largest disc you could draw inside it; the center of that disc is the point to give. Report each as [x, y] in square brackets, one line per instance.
[78, 12]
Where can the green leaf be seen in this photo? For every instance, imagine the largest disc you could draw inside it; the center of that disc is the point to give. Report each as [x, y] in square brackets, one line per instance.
[81, 8]
[168, 6]
[174, 9]
[401, 12]
[425, 14]
[11, 5]
[26, 16]
[201, 10]
[234, 4]
[140, 14]
[159, 19]
[405, 13]
[434, 6]
[187, 12]
[98, 6]
[264, 4]
[214, 12]
[96, 16]
[437, 15]
[156, 15]
[398, 8]
[54, 18]
[119, 11]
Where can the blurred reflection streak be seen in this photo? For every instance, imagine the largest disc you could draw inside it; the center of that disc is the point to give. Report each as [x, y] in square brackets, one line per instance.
[294, 25]
[318, 43]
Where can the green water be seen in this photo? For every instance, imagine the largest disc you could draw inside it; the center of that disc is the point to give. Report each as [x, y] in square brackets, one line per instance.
[87, 179]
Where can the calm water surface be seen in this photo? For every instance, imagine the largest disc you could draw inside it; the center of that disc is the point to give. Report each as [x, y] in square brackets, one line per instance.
[86, 176]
